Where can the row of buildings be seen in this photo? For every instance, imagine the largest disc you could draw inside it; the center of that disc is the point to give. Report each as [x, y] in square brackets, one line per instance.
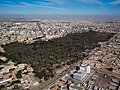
[28, 32]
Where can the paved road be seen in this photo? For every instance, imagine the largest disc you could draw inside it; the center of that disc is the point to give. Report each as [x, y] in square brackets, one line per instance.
[40, 29]
[45, 85]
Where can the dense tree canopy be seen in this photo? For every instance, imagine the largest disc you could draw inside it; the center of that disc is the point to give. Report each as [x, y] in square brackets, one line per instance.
[42, 55]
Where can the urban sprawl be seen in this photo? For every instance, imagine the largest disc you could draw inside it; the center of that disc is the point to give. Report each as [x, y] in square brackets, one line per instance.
[100, 70]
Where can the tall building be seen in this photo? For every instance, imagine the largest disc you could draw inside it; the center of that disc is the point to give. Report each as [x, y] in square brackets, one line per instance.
[82, 72]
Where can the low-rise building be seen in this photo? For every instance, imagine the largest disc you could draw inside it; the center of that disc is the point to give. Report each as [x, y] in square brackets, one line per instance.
[75, 86]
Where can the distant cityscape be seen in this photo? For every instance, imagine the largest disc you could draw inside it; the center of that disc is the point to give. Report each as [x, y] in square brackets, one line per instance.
[27, 17]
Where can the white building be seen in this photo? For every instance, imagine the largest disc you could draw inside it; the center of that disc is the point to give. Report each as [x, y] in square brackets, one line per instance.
[79, 76]
[88, 69]
[85, 68]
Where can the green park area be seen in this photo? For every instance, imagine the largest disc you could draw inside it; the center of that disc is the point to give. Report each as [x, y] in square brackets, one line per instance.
[46, 56]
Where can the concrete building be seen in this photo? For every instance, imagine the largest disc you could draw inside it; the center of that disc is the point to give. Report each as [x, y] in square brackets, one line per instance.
[85, 68]
[79, 75]
[82, 72]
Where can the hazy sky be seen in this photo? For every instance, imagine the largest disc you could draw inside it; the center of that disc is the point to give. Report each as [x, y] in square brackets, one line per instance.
[77, 7]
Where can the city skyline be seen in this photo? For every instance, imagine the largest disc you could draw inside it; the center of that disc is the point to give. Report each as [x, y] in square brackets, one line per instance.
[60, 7]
